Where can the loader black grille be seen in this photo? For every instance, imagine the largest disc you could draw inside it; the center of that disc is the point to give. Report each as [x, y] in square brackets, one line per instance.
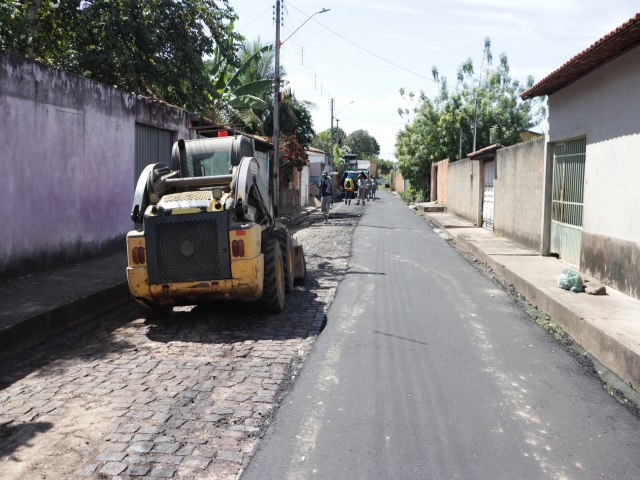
[184, 248]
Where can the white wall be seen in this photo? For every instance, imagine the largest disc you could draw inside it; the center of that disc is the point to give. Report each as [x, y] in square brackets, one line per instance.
[304, 186]
[317, 158]
[605, 106]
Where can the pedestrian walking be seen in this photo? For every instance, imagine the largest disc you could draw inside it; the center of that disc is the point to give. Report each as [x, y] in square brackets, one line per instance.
[369, 190]
[374, 186]
[362, 188]
[348, 187]
[326, 196]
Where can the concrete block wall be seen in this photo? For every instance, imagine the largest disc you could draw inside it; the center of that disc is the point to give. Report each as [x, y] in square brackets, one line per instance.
[67, 162]
[463, 184]
[518, 187]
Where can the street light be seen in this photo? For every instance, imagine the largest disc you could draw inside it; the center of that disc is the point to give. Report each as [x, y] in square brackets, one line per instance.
[310, 17]
[342, 109]
[276, 101]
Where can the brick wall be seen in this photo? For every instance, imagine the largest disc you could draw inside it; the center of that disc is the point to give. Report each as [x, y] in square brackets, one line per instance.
[398, 182]
[439, 173]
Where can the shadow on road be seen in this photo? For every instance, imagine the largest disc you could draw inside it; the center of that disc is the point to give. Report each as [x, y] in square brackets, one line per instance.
[13, 436]
[237, 322]
[87, 342]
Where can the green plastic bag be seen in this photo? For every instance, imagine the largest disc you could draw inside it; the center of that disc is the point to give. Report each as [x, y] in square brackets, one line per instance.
[571, 281]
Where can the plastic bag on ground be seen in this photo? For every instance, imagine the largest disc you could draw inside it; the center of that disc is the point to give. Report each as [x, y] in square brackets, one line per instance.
[571, 281]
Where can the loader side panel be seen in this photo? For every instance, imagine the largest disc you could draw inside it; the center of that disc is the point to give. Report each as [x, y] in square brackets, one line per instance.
[188, 248]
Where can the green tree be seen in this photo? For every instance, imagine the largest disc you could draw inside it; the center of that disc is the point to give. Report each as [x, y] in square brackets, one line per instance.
[295, 118]
[418, 145]
[339, 162]
[322, 140]
[384, 166]
[154, 47]
[443, 127]
[363, 144]
[240, 95]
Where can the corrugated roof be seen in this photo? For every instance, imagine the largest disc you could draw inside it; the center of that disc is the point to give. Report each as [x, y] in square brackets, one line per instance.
[612, 45]
[489, 151]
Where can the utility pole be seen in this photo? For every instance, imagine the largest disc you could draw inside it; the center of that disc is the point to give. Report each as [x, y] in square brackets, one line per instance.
[276, 114]
[276, 101]
[332, 104]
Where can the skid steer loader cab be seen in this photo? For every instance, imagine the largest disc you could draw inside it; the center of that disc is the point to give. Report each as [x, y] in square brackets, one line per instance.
[212, 156]
[206, 230]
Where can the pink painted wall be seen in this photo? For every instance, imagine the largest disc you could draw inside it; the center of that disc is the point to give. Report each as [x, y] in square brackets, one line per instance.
[67, 163]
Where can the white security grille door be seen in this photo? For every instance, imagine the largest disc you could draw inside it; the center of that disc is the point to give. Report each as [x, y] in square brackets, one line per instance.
[567, 200]
[488, 194]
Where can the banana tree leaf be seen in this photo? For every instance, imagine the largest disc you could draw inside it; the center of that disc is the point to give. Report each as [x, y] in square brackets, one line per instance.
[247, 101]
[256, 88]
[236, 78]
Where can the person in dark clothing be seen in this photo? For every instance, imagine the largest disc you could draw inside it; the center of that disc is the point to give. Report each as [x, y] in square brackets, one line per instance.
[326, 195]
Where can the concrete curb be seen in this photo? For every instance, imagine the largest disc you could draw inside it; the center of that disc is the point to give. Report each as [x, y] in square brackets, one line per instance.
[34, 330]
[615, 356]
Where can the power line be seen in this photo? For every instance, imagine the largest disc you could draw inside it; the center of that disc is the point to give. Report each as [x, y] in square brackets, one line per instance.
[255, 19]
[366, 49]
[353, 63]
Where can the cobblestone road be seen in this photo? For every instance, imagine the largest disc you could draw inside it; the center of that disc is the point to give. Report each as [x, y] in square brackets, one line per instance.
[184, 397]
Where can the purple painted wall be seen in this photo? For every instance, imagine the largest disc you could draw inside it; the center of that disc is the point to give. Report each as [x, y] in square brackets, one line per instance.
[67, 164]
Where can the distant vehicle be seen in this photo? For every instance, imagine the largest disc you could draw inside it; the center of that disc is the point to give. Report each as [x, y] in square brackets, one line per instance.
[353, 174]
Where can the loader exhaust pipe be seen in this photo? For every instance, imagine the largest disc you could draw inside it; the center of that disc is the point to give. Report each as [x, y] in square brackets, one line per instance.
[182, 150]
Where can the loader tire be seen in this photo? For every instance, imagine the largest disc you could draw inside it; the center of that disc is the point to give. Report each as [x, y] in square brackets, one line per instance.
[286, 249]
[272, 300]
[300, 265]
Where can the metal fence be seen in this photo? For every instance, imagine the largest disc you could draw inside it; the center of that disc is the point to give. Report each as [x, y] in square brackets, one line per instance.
[568, 199]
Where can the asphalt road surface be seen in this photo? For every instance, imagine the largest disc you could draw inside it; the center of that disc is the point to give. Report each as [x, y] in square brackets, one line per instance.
[428, 370]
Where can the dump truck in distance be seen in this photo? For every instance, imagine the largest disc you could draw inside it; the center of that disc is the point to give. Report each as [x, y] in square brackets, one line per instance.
[206, 231]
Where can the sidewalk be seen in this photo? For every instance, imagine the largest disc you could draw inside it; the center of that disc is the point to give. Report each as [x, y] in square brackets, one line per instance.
[39, 306]
[607, 327]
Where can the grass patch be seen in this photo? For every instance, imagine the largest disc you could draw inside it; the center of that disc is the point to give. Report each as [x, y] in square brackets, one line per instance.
[544, 320]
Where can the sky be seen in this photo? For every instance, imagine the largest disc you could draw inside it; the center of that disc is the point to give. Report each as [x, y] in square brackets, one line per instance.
[361, 52]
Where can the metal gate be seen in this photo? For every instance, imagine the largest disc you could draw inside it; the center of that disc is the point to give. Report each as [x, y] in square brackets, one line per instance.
[153, 145]
[488, 194]
[567, 200]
